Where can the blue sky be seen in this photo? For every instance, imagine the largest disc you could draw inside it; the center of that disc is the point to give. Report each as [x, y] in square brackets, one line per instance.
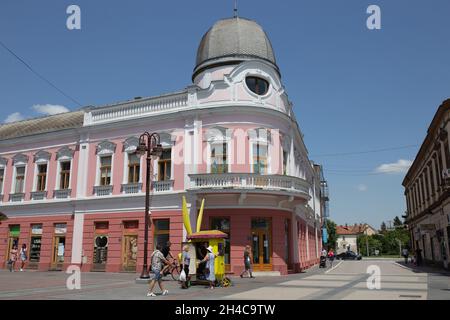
[353, 89]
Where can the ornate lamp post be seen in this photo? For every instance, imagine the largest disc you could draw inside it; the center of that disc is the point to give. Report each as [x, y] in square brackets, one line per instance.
[149, 145]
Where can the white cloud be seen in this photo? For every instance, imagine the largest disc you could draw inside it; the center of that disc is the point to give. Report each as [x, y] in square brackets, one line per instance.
[13, 117]
[49, 109]
[362, 188]
[401, 166]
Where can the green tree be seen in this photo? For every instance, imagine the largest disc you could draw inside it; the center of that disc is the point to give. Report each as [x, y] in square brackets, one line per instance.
[373, 242]
[332, 236]
[383, 227]
[397, 222]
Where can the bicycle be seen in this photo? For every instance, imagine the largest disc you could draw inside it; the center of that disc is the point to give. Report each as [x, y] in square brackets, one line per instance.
[173, 269]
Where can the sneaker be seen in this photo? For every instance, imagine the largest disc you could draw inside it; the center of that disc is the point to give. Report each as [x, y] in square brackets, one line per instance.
[21, 269]
[166, 292]
[151, 294]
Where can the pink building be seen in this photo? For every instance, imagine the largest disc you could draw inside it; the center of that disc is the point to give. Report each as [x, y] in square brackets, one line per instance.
[71, 184]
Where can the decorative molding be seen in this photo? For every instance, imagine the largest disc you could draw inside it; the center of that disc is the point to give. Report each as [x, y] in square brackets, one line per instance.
[216, 133]
[166, 139]
[42, 156]
[106, 148]
[65, 153]
[130, 145]
[20, 158]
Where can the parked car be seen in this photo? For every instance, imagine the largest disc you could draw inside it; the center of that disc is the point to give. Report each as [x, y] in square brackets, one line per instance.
[348, 255]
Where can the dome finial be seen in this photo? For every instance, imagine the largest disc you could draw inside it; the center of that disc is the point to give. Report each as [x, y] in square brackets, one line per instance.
[235, 8]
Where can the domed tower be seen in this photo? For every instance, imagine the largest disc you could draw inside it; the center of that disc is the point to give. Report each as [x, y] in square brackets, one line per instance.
[230, 42]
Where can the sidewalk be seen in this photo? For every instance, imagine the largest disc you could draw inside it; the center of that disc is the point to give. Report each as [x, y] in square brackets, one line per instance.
[424, 268]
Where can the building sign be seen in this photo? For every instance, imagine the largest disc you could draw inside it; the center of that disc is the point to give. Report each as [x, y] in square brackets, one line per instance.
[60, 228]
[14, 231]
[36, 229]
[427, 227]
[324, 235]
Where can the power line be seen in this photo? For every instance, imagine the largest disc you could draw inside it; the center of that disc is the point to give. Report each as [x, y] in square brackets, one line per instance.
[38, 74]
[364, 152]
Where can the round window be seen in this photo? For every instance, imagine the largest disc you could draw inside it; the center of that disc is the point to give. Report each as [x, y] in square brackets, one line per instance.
[257, 85]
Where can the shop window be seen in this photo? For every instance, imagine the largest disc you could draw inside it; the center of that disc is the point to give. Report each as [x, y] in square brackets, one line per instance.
[219, 158]
[105, 170]
[164, 165]
[223, 224]
[41, 177]
[35, 243]
[161, 232]
[64, 182]
[20, 179]
[260, 152]
[134, 168]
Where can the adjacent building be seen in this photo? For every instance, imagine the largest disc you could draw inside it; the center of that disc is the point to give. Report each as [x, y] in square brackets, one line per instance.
[72, 187]
[427, 191]
[347, 236]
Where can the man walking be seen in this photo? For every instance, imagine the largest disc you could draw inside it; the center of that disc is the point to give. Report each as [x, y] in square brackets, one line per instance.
[405, 254]
[157, 261]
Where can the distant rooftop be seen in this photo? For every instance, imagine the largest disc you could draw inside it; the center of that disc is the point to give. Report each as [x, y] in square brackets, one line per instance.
[62, 121]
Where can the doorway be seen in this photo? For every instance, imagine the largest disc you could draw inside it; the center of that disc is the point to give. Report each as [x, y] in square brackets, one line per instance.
[129, 253]
[59, 245]
[262, 244]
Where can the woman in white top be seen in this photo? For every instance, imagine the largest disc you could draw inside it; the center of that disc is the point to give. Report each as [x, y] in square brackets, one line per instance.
[23, 256]
[210, 265]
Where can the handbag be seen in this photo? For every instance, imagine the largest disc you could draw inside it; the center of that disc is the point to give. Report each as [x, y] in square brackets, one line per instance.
[183, 275]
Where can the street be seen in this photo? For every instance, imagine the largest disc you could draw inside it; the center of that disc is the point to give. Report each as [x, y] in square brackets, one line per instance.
[347, 280]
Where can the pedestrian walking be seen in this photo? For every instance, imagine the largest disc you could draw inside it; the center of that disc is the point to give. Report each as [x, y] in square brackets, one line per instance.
[331, 257]
[185, 262]
[247, 262]
[418, 256]
[13, 258]
[210, 266]
[166, 253]
[157, 259]
[405, 254]
[23, 256]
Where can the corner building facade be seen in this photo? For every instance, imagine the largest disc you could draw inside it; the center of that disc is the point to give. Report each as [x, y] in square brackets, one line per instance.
[72, 186]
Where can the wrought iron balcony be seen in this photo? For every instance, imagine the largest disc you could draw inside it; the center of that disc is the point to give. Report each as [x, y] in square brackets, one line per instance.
[250, 181]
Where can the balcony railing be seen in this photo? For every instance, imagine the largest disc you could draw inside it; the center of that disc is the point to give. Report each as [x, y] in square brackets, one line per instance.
[38, 195]
[132, 188]
[249, 181]
[62, 194]
[102, 191]
[162, 186]
[16, 197]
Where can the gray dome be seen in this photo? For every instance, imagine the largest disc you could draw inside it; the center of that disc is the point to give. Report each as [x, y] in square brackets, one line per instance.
[231, 41]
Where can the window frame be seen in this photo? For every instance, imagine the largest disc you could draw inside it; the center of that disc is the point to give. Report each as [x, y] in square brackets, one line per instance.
[102, 167]
[41, 177]
[165, 162]
[157, 232]
[14, 185]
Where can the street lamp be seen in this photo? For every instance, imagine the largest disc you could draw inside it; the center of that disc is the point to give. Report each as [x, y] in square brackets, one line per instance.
[149, 145]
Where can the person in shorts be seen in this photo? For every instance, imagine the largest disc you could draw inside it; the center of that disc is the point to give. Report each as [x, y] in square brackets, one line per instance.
[247, 262]
[23, 256]
[13, 258]
[157, 259]
[185, 262]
